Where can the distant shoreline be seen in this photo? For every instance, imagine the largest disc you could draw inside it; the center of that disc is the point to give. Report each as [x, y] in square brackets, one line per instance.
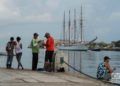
[93, 49]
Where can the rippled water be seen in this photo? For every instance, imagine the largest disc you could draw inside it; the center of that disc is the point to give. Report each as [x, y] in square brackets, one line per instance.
[88, 61]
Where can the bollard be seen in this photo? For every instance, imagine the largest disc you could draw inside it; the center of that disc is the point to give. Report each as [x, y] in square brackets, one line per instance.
[61, 69]
[61, 60]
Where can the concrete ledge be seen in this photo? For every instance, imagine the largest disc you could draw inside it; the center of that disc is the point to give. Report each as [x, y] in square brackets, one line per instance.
[33, 78]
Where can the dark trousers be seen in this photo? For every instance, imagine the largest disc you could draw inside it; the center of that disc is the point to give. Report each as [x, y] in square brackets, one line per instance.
[34, 61]
[49, 61]
[18, 57]
[9, 61]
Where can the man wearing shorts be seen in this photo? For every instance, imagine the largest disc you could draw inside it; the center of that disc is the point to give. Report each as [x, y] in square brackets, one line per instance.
[49, 59]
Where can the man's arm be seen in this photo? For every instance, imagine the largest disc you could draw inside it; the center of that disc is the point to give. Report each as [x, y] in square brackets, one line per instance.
[7, 47]
[47, 43]
[21, 45]
[108, 67]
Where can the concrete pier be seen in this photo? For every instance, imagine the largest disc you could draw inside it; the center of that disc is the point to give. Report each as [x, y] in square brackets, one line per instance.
[14, 77]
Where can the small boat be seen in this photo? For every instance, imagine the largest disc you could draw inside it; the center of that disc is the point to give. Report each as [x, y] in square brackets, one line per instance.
[95, 49]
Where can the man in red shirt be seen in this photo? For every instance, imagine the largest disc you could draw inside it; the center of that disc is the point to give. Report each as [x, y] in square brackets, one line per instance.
[49, 59]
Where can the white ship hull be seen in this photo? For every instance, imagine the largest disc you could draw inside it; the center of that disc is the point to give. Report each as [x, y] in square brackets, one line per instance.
[80, 47]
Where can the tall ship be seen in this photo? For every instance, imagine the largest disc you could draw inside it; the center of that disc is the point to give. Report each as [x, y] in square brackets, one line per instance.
[75, 43]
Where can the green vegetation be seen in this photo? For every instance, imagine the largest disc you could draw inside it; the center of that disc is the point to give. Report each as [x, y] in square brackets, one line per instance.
[116, 43]
[103, 45]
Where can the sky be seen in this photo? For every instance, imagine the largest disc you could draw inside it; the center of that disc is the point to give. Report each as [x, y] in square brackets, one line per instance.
[24, 17]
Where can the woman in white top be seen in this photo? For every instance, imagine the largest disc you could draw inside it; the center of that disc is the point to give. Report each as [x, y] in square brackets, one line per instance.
[18, 51]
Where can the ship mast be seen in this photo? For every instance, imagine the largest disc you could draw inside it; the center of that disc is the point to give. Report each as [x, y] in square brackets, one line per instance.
[81, 25]
[75, 26]
[64, 37]
[69, 25]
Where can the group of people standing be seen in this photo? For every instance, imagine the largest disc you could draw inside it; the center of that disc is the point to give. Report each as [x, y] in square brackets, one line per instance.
[50, 47]
[11, 45]
[35, 46]
[104, 70]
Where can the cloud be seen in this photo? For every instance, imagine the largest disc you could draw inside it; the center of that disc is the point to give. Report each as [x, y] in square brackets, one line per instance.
[29, 10]
[7, 11]
[115, 16]
[52, 4]
[46, 17]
